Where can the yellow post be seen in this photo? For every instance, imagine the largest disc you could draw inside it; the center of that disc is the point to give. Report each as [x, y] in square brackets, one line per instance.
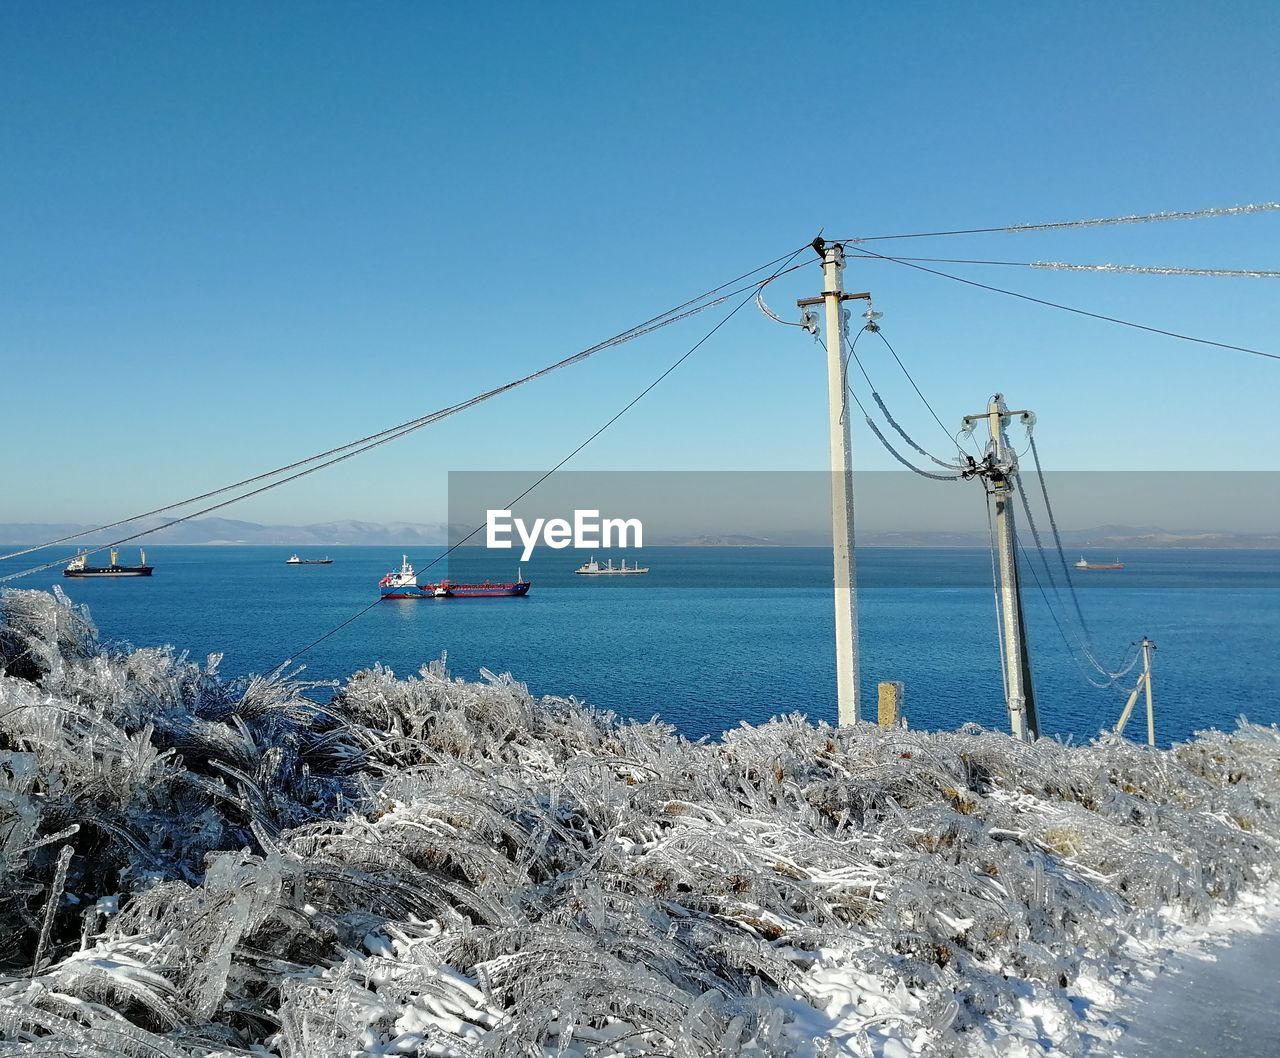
[891, 705]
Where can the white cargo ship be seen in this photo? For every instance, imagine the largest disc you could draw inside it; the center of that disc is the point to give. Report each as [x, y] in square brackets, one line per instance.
[593, 568]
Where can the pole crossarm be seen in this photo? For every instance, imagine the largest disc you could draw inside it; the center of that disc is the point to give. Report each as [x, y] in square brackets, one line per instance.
[806, 303]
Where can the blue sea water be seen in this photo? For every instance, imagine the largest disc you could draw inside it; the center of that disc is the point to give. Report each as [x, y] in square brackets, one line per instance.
[715, 636]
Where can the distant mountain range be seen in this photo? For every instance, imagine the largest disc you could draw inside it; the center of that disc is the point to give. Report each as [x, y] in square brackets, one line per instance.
[1103, 537]
[230, 531]
[215, 531]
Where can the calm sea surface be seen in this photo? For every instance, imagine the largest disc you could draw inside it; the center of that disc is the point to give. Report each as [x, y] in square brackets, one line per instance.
[714, 636]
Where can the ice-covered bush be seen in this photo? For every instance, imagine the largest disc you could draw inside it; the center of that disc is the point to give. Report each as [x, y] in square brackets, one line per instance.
[191, 865]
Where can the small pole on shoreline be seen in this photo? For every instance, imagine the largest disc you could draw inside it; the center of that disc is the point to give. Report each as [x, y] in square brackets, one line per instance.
[892, 704]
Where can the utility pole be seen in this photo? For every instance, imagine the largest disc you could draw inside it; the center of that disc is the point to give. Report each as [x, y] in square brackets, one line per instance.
[846, 578]
[1144, 682]
[999, 474]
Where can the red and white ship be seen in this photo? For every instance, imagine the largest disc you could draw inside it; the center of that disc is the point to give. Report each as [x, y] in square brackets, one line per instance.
[403, 584]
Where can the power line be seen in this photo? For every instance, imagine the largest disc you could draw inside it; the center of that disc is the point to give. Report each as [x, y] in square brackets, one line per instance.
[995, 592]
[543, 477]
[849, 392]
[923, 398]
[1150, 270]
[1075, 651]
[1135, 218]
[392, 432]
[1085, 643]
[903, 459]
[884, 409]
[1067, 308]
[1157, 270]
[1071, 648]
[1081, 647]
[356, 448]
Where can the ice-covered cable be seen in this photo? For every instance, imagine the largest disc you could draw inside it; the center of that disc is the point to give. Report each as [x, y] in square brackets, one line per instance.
[903, 434]
[381, 439]
[906, 462]
[852, 348]
[1073, 650]
[1133, 218]
[1156, 270]
[760, 304]
[1066, 266]
[919, 393]
[1145, 218]
[1085, 643]
[1067, 308]
[511, 503]
[672, 315]
[995, 593]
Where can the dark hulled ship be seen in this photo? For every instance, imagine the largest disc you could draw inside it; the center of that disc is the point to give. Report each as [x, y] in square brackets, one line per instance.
[79, 567]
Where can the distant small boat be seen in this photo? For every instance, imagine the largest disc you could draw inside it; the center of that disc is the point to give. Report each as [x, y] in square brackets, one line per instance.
[294, 560]
[1085, 564]
[594, 569]
[78, 567]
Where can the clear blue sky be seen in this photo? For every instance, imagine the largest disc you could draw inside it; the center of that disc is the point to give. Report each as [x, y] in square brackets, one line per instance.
[238, 233]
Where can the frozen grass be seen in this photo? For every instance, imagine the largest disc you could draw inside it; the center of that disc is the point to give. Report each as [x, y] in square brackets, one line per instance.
[196, 866]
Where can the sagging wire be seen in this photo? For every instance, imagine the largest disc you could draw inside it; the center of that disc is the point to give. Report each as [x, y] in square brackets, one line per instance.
[869, 254]
[1062, 559]
[903, 434]
[995, 592]
[852, 348]
[1076, 652]
[956, 470]
[903, 459]
[1065, 266]
[359, 447]
[1084, 644]
[1072, 648]
[1157, 270]
[923, 399]
[872, 317]
[781, 270]
[760, 304]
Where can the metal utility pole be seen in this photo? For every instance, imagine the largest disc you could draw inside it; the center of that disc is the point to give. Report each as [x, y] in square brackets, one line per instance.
[846, 597]
[999, 474]
[1144, 681]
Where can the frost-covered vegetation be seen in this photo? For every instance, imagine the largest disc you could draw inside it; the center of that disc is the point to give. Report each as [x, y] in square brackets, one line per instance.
[191, 865]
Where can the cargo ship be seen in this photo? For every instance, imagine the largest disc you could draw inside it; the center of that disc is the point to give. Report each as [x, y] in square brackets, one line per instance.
[403, 584]
[78, 567]
[594, 569]
[294, 560]
[1085, 564]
